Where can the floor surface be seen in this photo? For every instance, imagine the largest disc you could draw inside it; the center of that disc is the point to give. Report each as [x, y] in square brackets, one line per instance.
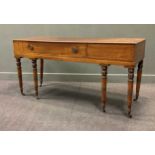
[74, 106]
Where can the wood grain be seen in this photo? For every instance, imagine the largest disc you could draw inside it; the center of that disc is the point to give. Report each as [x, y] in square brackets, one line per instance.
[111, 52]
[121, 53]
[82, 40]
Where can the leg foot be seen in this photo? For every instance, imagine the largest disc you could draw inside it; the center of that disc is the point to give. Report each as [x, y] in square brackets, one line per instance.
[135, 99]
[37, 98]
[104, 109]
[23, 94]
[129, 115]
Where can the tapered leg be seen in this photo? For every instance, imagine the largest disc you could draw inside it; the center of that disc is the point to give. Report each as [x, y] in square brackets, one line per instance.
[35, 76]
[19, 70]
[130, 89]
[104, 86]
[41, 71]
[139, 76]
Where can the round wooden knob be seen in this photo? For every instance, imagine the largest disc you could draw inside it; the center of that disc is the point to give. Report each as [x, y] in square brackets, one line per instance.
[30, 47]
[75, 50]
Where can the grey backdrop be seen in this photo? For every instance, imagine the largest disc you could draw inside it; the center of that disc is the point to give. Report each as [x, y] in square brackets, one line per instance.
[9, 32]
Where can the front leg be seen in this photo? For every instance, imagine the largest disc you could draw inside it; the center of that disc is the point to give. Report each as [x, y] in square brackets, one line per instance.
[19, 70]
[104, 86]
[139, 76]
[130, 89]
[35, 76]
[41, 71]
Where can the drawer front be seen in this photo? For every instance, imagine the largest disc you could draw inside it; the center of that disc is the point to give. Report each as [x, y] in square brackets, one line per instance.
[54, 49]
[111, 52]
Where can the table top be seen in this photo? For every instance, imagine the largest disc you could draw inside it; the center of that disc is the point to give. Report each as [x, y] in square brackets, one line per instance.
[83, 40]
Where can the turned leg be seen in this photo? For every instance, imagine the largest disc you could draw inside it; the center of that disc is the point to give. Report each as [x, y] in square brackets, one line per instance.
[139, 76]
[35, 76]
[104, 86]
[19, 70]
[41, 71]
[130, 89]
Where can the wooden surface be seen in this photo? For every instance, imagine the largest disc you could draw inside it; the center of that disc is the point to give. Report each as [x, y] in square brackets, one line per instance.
[83, 40]
[117, 51]
[127, 52]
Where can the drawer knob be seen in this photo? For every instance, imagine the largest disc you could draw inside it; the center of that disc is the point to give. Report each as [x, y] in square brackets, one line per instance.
[75, 50]
[30, 47]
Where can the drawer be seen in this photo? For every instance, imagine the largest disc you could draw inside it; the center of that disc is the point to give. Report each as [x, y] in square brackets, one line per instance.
[111, 52]
[54, 49]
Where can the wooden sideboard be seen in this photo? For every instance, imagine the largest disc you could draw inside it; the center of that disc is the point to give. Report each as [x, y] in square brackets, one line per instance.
[127, 52]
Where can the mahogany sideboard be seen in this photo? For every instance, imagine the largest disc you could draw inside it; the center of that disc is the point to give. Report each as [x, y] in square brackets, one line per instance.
[127, 52]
